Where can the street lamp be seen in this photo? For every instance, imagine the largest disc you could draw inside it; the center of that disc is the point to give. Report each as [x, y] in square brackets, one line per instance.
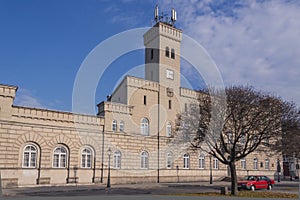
[210, 169]
[108, 176]
[177, 170]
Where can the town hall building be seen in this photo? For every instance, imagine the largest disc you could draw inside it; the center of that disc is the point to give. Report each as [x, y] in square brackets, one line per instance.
[133, 132]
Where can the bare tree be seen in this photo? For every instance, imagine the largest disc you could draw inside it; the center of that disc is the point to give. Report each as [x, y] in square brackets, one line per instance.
[289, 142]
[232, 131]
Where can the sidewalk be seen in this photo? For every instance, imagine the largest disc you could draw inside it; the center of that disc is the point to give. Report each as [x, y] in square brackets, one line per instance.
[142, 188]
[126, 189]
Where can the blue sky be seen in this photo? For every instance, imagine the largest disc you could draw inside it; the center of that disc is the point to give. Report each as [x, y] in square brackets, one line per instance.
[43, 43]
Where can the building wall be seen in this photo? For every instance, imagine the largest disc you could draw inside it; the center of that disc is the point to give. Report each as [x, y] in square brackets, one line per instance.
[158, 99]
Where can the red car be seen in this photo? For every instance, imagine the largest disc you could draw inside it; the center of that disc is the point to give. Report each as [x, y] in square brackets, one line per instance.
[256, 182]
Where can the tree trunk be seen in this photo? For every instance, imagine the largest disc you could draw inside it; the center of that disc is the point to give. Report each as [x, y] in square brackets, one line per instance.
[234, 189]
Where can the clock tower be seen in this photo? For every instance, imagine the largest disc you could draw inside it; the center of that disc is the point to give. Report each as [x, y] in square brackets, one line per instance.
[162, 56]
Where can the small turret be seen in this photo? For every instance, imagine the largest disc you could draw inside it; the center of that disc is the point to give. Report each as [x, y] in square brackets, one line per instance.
[7, 96]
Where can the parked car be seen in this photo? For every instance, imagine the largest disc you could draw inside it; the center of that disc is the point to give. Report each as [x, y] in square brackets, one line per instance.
[256, 182]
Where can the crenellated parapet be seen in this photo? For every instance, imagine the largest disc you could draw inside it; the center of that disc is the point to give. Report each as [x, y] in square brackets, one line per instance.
[114, 108]
[7, 96]
[45, 115]
[163, 29]
[188, 93]
[8, 91]
[142, 83]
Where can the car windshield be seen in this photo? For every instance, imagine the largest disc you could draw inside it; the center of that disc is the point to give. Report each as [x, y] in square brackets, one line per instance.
[249, 178]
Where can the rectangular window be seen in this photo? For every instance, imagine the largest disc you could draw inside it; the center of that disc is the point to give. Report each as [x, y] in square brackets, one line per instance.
[267, 164]
[201, 162]
[145, 100]
[185, 107]
[215, 163]
[243, 163]
[170, 104]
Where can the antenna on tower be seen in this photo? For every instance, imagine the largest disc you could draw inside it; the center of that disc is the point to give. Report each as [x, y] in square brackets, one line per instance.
[156, 15]
[173, 16]
[165, 18]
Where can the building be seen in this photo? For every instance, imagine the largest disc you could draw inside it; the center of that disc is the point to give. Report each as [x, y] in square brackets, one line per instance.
[133, 131]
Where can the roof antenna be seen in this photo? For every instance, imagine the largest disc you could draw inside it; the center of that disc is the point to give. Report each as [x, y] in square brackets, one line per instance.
[173, 16]
[156, 15]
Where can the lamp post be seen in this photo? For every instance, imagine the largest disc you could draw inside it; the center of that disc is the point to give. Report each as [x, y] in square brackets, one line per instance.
[297, 167]
[108, 176]
[177, 170]
[102, 155]
[210, 169]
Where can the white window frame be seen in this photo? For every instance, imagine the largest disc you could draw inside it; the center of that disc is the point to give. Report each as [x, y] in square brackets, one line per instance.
[29, 156]
[169, 129]
[243, 163]
[144, 160]
[255, 163]
[144, 126]
[86, 157]
[215, 163]
[60, 158]
[186, 161]
[201, 161]
[114, 125]
[169, 160]
[117, 159]
[267, 164]
[121, 126]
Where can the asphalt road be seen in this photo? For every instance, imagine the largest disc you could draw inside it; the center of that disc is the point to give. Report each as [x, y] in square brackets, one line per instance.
[132, 191]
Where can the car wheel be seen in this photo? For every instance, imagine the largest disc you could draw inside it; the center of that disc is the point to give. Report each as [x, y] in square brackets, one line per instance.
[252, 188]
[269, 187]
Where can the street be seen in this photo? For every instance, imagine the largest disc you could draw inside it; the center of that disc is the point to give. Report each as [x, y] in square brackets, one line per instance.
[134, 191]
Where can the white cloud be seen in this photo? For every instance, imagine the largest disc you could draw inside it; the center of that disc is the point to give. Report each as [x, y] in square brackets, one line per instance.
[252, 42]
[26, 98]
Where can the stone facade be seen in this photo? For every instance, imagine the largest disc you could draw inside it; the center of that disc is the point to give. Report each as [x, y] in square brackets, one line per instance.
[39, 146]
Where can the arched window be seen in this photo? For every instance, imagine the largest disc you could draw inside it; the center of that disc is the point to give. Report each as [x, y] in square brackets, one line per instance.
[267, 164]
[144, 160]
[172, 53]
[144, 126]
[201, 161]
[121, 126]
[114, 126]
[186, 161]
[167, 52]
[169, 129]
[86, 158]
[215, 163]
[29, 156]
[169, 160]
[60, 157]
[117, 160]
[255, 163]
[243, 163]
